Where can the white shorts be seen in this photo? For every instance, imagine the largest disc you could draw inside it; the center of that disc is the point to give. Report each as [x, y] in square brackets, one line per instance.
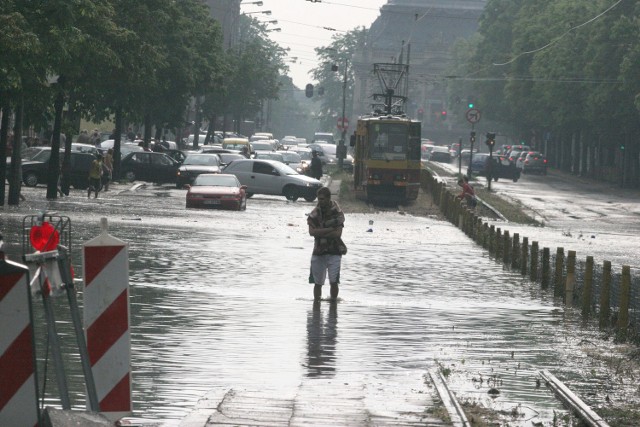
[320, 264]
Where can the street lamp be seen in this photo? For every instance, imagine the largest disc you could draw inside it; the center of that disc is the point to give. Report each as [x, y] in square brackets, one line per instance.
[273, 21]
[257, 3]
[273, 29]
[264, 12]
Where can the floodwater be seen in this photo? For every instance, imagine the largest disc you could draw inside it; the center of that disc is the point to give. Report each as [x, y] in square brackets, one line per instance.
[221, 300]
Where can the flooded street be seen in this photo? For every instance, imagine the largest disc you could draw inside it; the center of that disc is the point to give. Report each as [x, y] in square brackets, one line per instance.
[220, 300]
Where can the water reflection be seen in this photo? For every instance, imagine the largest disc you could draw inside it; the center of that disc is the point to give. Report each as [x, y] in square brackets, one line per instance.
[321, 341]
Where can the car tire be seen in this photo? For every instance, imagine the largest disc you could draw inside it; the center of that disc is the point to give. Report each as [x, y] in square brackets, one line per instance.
[290, 193]
[515, 179]
[30, 179]
[495, 179]
[179, 186]
[130, 176]
[249, 195]
[310, 198]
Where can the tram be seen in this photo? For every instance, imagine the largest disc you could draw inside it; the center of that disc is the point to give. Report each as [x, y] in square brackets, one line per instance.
[386, 158]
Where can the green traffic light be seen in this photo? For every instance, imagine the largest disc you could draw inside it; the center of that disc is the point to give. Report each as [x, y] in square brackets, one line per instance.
[471, 105]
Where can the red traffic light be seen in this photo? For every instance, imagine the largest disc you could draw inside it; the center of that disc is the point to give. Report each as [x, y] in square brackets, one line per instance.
[444, 112]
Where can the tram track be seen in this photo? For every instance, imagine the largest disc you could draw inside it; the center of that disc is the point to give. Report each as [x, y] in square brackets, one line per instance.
[569, 399]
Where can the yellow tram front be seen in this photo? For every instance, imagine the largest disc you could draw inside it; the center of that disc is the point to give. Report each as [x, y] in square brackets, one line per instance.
[386, 159]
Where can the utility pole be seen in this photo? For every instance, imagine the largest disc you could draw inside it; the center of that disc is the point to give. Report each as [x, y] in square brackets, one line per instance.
[342, 148]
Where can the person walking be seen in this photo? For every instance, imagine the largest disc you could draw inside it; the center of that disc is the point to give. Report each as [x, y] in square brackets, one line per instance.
[316, 165]
[326, 222]
[107, 169]
[95, 175]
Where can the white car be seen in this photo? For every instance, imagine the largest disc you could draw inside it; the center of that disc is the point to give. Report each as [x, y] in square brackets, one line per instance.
[272, 177]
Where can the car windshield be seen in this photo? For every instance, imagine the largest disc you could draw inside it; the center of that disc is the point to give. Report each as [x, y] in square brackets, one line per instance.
[34, 153]
[305, 155]
[201, 160]
[234, 145]
[291, 157]
[227, 158]
[284, 169]
[262, 146]
[270, 156]
[216, 180]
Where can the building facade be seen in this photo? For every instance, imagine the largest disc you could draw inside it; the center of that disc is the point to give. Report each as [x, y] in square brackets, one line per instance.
[420, 33]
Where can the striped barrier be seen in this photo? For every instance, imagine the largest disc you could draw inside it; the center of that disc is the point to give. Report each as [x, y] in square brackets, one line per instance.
[18, 387]
[106, 321]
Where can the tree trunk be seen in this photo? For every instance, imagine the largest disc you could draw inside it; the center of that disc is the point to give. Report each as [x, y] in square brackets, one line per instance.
[4, 133]
[15, 182]
[115, 175]
[54, 160]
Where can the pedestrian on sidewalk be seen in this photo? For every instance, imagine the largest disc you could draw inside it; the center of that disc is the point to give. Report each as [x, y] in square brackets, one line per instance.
[316, 165]
[107, 169]
[468, 193]
[326, 222]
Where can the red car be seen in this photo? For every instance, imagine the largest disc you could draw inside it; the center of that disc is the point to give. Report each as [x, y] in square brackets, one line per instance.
[218, 191]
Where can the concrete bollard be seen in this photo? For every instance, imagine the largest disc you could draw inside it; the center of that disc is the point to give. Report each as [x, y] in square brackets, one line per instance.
[625, 296]
[515, 251]
[524, 256]
[546, 267]
[533, 271]
[558, 283]
[506, 248]
[587, 288]
[570, 281]
[605, 295]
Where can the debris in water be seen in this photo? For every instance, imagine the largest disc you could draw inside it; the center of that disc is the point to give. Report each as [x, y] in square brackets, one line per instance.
[370, 230]
[493, 392]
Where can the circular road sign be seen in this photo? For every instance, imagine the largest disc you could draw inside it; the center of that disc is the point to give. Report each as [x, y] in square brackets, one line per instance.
[343, 123]
[473, 115]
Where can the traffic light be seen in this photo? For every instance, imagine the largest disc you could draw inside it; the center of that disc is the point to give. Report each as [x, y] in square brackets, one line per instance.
[420, 114]
[320, 91]
[471, 101]
[308, 90]
[443, 115]
[491, 139]
[622, 147]
[470, 104]
[473, 137]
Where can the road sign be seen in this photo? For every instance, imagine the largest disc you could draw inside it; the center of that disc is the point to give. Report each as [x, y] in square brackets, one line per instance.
[473, 115]
[343, 123]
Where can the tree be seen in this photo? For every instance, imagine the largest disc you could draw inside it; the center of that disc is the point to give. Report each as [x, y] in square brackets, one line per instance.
[338, 54]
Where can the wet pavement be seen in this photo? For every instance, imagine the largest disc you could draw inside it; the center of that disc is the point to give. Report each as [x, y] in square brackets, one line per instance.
[222, 313]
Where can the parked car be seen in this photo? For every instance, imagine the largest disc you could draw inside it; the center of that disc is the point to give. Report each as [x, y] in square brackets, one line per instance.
[222, 191]
[441, 154]
[268, 155]
[328, 155]
[226, 158]
[480, 167]
[271, 177]
[195, 164]
[520, 159]
[35, 172]
[535, 162]
[294, 161]
[148, 166]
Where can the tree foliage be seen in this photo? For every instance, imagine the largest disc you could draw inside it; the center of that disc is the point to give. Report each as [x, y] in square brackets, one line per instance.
[334, 61]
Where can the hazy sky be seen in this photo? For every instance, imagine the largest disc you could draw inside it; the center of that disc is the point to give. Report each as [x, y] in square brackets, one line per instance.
[301, 23]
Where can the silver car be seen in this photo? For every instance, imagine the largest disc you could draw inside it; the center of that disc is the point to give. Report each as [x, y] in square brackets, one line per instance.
[274, 178]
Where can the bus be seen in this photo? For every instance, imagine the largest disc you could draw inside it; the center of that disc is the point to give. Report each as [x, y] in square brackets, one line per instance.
[386, 158]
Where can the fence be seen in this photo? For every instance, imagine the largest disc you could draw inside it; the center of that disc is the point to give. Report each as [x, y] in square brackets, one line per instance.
[614, 296]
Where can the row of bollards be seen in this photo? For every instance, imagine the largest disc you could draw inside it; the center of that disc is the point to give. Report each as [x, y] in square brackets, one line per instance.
[519, 256]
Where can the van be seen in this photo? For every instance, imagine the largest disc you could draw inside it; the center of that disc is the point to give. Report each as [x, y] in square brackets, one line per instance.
[323, 136]
[240, 144]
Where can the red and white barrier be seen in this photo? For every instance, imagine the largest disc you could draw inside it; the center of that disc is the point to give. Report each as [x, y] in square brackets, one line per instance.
[18, 389]
[106, 321]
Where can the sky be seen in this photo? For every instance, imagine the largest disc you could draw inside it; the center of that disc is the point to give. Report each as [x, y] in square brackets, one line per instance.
[302, 21]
